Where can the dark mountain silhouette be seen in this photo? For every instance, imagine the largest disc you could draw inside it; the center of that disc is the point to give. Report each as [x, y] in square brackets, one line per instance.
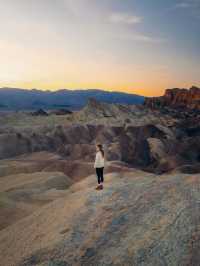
[19, 99]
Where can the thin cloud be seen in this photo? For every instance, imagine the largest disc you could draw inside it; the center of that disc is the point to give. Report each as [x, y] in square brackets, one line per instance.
[188, 4]
[137, 37]
[183, 5]
[193, 6]
[123, 18]
[144, 38]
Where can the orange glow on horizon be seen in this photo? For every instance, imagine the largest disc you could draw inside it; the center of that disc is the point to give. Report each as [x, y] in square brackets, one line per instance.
[150, 91]
[80, 45]
[50, 69]
[139, 89]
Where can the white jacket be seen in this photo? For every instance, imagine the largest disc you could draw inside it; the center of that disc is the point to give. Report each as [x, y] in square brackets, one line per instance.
[99, 160]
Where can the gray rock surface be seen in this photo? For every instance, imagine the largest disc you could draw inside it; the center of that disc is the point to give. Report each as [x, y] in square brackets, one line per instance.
[138, 219]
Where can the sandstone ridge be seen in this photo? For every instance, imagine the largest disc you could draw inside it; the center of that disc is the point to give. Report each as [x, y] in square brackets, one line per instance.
[176, 98]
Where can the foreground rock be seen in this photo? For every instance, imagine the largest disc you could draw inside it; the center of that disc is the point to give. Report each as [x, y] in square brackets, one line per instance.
[138, 219]
[28, 182]
[22, 194]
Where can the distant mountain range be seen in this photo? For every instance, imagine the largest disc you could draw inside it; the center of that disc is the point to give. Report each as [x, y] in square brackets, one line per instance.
[21, 99]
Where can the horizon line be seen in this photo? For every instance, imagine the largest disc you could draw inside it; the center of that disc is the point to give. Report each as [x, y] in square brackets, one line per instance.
[73, 90]
[88, 89]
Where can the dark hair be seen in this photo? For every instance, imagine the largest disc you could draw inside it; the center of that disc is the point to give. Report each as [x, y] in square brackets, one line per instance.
[101, 149]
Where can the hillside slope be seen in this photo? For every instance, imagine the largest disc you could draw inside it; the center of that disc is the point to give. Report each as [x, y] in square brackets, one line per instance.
[138, 219]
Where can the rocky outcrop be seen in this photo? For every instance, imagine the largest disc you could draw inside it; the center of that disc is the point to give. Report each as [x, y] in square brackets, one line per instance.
[39, 112]
[119, 114]
[125, 143]
[143, 138]
[176, 98]
[155, 148]
[61, 112]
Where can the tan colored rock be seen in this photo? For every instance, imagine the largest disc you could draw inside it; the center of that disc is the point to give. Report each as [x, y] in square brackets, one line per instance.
[138, 219]
[157, 148]
[176, 98]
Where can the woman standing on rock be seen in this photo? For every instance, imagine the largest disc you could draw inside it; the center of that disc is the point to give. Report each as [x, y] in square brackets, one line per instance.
[99, 165]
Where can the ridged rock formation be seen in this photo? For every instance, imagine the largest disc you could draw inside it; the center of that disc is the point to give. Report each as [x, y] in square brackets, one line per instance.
[96, 112]
[176, 98]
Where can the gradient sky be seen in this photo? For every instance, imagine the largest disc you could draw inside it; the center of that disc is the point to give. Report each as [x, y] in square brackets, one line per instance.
[137, 46]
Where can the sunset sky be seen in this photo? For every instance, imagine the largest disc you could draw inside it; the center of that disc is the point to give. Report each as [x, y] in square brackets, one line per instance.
[137, 46]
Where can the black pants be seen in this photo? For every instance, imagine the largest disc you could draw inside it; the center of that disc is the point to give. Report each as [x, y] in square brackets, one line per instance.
[99, 172]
